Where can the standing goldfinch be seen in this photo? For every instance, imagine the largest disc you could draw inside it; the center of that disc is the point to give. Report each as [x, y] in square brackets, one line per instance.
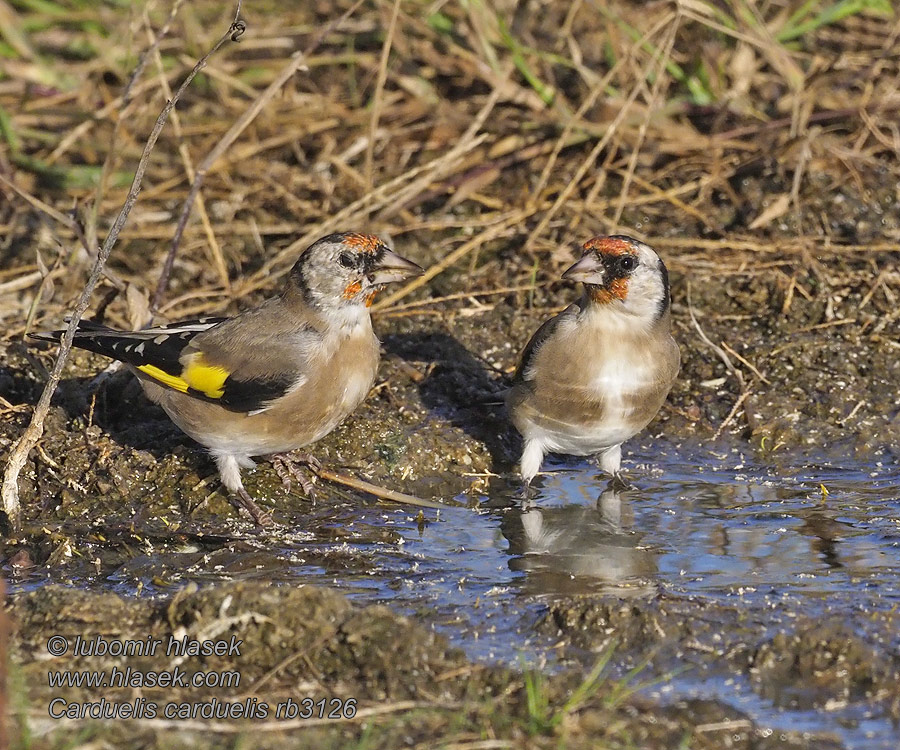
[597, 373]
[275, 378]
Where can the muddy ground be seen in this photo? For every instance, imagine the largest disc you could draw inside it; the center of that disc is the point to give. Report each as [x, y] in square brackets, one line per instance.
[420, 432]
[802, 309]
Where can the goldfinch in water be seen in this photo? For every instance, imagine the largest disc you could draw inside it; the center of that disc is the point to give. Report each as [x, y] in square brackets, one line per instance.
[597, 373]
[275, 378]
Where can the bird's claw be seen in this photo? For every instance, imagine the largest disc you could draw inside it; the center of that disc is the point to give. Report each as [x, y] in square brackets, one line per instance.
[288, 466]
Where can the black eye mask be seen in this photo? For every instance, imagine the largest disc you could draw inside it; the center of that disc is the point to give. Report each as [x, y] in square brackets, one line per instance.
[618, 266]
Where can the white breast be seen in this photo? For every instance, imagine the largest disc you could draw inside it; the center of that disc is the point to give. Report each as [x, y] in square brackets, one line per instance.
[356, 388]
[622, 375]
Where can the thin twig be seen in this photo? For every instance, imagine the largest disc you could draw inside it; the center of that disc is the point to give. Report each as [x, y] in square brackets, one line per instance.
[19, 454]
[729, 365]
[734, 410]
[218, 259]
[377, 96]
[380, 492]
[296, 63]
[746, 362]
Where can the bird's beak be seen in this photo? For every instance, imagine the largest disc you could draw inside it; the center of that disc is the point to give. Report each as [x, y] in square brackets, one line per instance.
[392, 267]
[588, 270]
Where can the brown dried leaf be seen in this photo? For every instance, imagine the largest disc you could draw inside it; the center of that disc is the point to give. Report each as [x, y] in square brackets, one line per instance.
[138, 307]
[776, 210]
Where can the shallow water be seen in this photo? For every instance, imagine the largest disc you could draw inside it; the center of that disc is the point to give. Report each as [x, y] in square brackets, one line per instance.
[819, 537]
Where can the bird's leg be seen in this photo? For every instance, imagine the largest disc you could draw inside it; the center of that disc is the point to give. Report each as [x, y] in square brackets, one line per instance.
[611, 460]
[532, 457]
[230, 472]
[288, 466]
[259, 516]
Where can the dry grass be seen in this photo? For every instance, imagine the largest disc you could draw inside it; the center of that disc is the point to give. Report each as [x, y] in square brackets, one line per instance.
[603, 117]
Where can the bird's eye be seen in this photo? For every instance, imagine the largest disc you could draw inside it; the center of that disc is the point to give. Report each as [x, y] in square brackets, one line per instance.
[346, 260]
[627, 263]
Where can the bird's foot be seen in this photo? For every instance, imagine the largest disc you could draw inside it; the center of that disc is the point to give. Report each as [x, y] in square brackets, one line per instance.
[260, 517]
[619, 483]
[527, 495]
[288, 466]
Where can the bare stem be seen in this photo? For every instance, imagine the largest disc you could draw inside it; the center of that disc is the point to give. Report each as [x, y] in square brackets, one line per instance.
[380, 492]
[296, 62]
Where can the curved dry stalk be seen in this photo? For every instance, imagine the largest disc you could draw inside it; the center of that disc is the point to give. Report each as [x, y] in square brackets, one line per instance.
[726, 360]
[9, 496]
[591, 159]
[296, 62]
[377, 97]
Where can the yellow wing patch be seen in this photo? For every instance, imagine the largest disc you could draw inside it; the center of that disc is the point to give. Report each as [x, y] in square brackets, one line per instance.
[163, 377]
[197, 376]
[208, 379]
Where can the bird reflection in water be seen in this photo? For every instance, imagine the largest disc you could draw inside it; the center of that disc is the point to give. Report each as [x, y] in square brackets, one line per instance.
[581, 548]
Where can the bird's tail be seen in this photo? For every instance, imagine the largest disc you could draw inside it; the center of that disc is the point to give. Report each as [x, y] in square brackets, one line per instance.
[90, 335]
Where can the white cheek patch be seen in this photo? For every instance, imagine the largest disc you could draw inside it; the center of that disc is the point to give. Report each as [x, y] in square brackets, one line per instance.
[645, 293]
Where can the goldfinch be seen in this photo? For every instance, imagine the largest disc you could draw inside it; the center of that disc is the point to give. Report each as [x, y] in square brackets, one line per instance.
[274, 378]
[597, 373]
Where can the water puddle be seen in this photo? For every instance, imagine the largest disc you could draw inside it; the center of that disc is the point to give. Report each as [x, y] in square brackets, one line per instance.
[820, 539]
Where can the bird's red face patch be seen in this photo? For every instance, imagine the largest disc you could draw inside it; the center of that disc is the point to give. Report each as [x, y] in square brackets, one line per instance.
[351, 290]
[616, 289]
[364, 243]
[608, 245]
[610, 250]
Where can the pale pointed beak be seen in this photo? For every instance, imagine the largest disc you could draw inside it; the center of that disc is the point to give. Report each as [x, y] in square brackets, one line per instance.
[588, 270]
[392, 267]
